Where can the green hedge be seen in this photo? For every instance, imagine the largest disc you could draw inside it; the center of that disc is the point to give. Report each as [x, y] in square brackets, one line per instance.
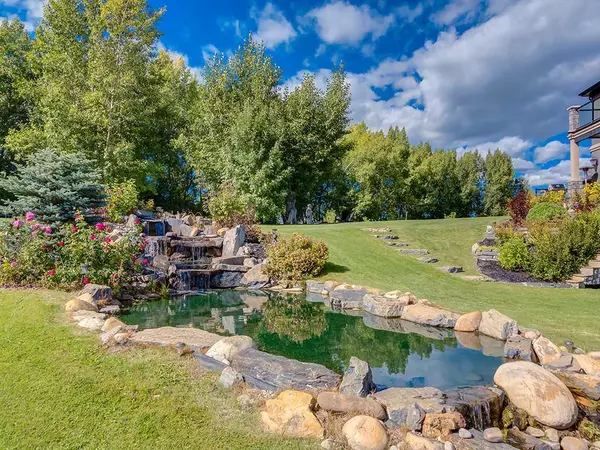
[544, 212]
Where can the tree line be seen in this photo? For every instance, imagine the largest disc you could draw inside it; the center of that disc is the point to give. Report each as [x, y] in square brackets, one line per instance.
[92, 80]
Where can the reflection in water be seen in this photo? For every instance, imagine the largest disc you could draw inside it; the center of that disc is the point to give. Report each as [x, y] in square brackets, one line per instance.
[400, 353]
[294, 317]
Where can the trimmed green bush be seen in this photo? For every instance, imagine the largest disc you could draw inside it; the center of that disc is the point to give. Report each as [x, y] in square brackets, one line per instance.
[544, 212]
[560, 251]
[514, 254]
[296, 258]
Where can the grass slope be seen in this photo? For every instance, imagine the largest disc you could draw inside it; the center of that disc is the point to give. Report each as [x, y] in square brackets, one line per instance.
[355, 256]
[60, 390]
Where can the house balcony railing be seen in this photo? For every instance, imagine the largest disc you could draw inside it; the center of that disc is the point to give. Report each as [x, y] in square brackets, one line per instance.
[588, 113]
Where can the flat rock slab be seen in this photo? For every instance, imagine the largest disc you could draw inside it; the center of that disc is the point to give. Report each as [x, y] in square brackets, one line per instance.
[399, 399]
[284, 373]
[165, 336]
[413, 251]
[428, 260]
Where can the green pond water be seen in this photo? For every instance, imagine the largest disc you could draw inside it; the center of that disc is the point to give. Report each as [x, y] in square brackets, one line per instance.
[400, 353]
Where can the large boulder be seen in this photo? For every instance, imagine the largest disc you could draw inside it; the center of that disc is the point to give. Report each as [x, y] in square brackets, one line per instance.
[98, 292]
[518, 347]
[166, 336]
[398, 401]
[80, 305]
[347, 297]
[291, 414]
[545, 350]
[233, 240]
[541, 394]
[481, 406]
[386, 307]
[365, 433]
[429, 315]
[255, 278]
[358, 379]
[587, 386]
[340, 403]
[91, 323]
[468, 322]
[410, 418]
[112, 323]
[284, 373]
[591, 366]
[497, 325]
[227, 347]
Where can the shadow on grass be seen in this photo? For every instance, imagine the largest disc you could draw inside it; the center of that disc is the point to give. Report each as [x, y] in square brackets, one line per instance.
[333, 268]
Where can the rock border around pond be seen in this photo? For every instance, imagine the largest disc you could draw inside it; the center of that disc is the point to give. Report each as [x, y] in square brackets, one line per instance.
[550, 386]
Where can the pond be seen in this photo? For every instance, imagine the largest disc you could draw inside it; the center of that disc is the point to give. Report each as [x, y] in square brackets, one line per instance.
[400, 353]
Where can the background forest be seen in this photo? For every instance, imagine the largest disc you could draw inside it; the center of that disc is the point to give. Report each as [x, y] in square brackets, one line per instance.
[93, 81]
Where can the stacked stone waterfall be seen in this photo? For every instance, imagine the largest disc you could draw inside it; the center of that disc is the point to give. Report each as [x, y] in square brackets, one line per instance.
[193, 260]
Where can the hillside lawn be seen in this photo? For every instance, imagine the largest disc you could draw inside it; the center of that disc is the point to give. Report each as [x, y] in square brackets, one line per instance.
[357, 257]
[59, 389]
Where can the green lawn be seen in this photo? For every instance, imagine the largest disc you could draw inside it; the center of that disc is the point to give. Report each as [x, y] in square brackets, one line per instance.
[355, 256]
[60, 390]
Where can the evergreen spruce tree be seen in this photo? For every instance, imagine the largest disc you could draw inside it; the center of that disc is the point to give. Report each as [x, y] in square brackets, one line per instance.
[53, 185]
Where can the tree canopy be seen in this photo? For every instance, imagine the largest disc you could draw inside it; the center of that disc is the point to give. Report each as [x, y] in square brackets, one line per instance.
[93, 81]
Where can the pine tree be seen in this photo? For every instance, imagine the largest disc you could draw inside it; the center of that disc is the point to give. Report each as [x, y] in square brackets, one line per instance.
[499, 183]
[53, 185]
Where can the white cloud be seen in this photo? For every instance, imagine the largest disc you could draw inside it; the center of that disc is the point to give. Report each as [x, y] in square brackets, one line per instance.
[552, 151]
[209, 51]
[560, 173]
[33, 9]
[513, 145]
[273, 28]
[512, 76]
[523, 165]
[343, 23]
[457, 9]
[408, 13]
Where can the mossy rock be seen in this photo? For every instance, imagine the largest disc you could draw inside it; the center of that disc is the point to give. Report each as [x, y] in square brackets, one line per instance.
[516, 417]
[589, 430]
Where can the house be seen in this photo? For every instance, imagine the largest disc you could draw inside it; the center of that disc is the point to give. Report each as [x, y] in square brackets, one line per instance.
[584, 123]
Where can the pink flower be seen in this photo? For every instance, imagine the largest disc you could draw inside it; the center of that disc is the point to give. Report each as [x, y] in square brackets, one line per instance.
[29, 216]
[47, 229]
[17, 223]
[145, 262]
[51, 272]
[93, 237]
[36, 226]
[100, 226]
[108, 240]
[77, 216]
[137, 221]
[74, 229]
[13, 264]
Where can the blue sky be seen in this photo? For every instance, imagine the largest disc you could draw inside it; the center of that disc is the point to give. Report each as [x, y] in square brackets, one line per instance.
[465, 74]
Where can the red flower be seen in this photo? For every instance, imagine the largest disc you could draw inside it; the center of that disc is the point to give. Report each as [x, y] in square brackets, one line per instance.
[100, 226]
[137, 221]
[93, 237]
[108, 240]
[51, 272]
[61, 243]
[145, 262]
[86, 280]
[74, 229]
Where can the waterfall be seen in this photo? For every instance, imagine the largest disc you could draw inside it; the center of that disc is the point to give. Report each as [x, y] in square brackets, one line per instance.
[152, 248]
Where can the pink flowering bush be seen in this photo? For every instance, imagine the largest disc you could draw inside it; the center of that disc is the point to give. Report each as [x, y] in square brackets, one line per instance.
[33, 253]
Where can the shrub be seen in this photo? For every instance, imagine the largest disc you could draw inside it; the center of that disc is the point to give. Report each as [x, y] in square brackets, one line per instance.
[561, 251]
[549, 197]
[54, 185]
[228, 208]
[452, 215]
[505, 233]
[330, 216]
[296, 258]
[122, 200]
[514, 254]
[33, 253]
[545, 212]
[518, 207]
